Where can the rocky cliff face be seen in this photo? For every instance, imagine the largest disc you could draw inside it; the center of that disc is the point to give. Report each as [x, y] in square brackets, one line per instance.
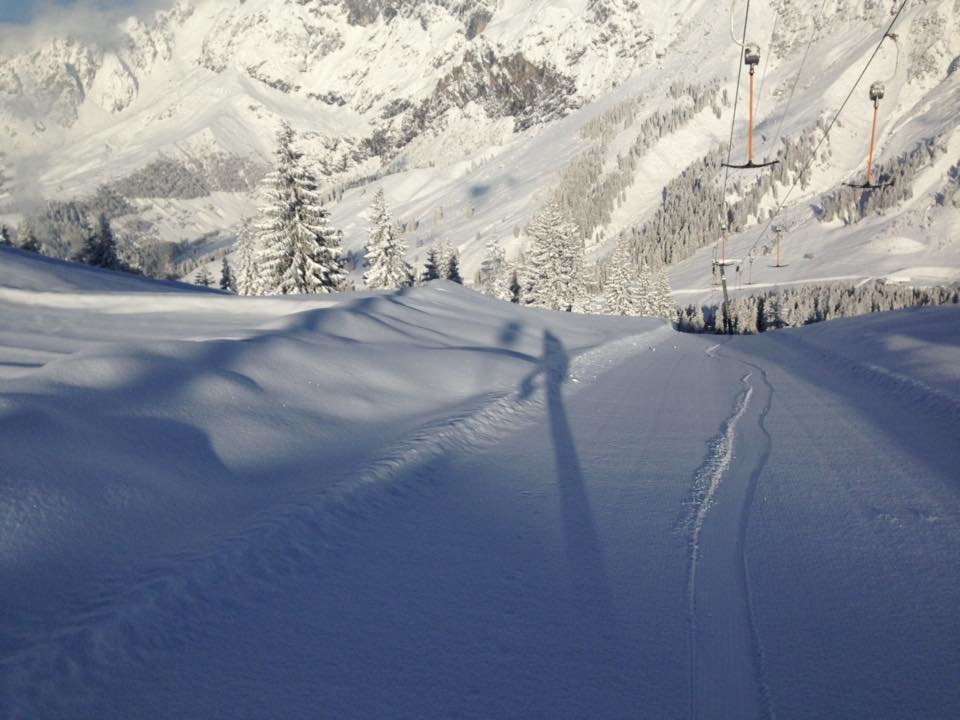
[48, 86]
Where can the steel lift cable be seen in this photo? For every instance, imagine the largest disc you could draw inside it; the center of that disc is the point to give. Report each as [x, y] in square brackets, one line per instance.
[833, 122]
[766, 65]
[733, 125]
[724, 229]
[803, 61]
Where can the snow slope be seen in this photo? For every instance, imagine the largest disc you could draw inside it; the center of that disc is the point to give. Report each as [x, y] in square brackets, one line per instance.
[432, 504]
[471, 147]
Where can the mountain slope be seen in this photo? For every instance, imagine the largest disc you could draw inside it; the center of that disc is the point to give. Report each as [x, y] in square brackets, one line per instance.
[475, 114]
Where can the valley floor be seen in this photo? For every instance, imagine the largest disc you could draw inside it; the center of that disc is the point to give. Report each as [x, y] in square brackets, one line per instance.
[433, 504]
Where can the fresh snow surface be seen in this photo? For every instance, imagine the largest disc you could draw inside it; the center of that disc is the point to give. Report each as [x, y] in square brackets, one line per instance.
[433, 504]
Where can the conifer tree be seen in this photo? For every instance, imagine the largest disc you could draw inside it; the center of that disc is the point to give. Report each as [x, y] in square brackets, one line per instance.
[453, 268]
[515, 289]
[100, 248]
[431, 268]
[526, 280]
[697, 321]
[444, 253]
[646, 297]
[663, 298]
[5, 236]
[226, 276]
[27, 238]
[620, 296]
[301, 252]
[203, 277]
[248, 279]
[494, 279]
[387, 268]
[556, 260]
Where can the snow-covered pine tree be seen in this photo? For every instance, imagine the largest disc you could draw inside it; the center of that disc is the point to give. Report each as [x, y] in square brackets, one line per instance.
[203, 277]
[5, 235]
[448, 261]
[556, 259]
[526, 279]
[301, 252]
[387, 268]
[693, 320]
[492, 264]
[646, 294]
[663, 297]
[227, 281]
[100, 248]
[444, 253]
[620, 293]
[431, 268]
[771, 312]
[494, 279]
[27, 237]
[248, 277]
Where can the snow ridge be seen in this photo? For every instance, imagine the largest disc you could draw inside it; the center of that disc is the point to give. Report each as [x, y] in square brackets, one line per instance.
[910, 389]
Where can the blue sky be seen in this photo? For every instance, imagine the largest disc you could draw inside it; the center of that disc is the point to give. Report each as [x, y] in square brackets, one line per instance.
[22, 11]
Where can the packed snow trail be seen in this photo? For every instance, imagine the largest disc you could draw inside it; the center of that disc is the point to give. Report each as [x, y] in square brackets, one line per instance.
[854, 579]
[726, 663]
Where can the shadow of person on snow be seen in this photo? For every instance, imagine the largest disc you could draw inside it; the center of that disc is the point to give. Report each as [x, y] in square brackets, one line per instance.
[581, 542]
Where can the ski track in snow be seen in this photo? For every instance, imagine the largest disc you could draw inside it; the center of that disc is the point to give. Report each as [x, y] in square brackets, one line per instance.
[128, 620]
[742, 527]
[706, 482]
[706, 485]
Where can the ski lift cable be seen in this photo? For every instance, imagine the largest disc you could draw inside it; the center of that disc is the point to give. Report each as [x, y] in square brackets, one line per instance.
[733, 37]
[724, 221]
[826, 132]
[796, 80]
[896, 63]
[766, 64]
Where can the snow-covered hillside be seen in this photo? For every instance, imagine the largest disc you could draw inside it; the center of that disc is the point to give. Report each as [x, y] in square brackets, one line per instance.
[476, 114]
[434, 504]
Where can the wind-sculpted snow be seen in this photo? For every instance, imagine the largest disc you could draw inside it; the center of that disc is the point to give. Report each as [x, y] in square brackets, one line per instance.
[130, 618]
[116, 396]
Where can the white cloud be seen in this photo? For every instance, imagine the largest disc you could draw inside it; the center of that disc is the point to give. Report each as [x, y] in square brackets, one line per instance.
[92, 21]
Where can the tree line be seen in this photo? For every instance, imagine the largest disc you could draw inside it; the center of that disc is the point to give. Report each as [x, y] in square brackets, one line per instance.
[796, 306]
[588, 195]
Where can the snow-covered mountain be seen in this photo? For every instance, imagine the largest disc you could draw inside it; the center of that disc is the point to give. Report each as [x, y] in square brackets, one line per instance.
[472, 115]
